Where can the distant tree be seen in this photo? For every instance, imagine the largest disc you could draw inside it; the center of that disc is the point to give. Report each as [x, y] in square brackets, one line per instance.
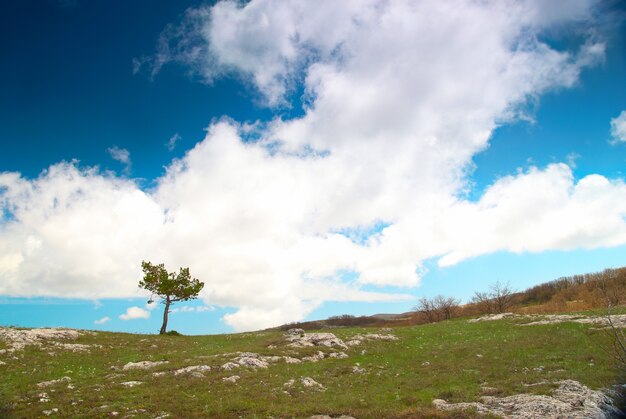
[483, 302]
[171, 287]
[427, 308]
[502, 296]
[446, 306]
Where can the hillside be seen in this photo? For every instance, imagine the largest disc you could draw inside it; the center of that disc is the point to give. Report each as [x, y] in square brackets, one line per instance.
[409, 371]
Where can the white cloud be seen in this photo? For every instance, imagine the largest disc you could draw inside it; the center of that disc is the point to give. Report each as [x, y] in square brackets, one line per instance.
[192, 309]
[618, 128]
[135, 313]
[399, 97]
[171, 143]
[102, 320]
[121, 155]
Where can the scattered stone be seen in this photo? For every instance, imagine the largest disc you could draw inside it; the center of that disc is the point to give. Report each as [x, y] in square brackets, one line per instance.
[229, 366]
[425, 364]
[143, 365]
[316, 339]
[159, 374]
[338, 355]
[358, 339]
[289, 383]
[330, 417]
[295, 332]
[492, 317]
[193, 370]
[290, 360]
[247, 361]
[232, 378]
[75, 347]
[315, 357]
[131, 383]
[309, 382]
[618, 320]
[51, 411]
[572, 400]
[18, 339]
[52, 382]
[43, 397]
[358, 370]
[2, 363]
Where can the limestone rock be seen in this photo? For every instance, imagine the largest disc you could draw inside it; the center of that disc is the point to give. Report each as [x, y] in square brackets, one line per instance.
[142, 365]
[572, 400]
[316, 339]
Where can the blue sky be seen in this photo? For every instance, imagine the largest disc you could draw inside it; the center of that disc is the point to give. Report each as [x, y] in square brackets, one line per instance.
[303, 163]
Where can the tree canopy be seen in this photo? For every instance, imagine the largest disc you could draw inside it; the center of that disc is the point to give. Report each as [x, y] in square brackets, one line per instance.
[170, 286]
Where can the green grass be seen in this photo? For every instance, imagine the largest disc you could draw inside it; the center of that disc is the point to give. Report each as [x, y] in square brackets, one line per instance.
[450, 360]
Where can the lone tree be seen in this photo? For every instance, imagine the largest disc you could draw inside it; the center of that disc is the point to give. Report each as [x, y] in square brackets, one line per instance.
[171, 287]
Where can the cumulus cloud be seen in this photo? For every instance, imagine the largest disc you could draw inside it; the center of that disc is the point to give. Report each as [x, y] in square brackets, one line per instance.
[135, 313]
[121, 155]
[618, 128]
[361, 189]
[192, 309]
[102, 320]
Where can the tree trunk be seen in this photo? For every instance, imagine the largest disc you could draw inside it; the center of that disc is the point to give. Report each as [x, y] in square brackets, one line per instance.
[167, 310]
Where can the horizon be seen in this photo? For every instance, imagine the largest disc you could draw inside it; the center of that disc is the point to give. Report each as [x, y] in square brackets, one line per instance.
[303, 160]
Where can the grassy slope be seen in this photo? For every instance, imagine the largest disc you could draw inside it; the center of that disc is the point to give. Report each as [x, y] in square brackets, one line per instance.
[461, 357]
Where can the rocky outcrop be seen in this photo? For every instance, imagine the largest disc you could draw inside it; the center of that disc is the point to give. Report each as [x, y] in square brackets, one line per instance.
[618, 320]
[193, 370]
[491, 317]
[304, 340]
[570, 400]
[18, 339]
[142, 365]
[358, 339]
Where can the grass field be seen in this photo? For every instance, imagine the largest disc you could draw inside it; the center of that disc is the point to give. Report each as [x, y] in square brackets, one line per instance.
[453, 360]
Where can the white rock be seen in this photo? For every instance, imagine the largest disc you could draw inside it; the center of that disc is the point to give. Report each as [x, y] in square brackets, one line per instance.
[358, 370]
[198, 369]
[492, 317]
[309, 382]
[229, 366]
[52, 382]
[315, 357]
[51, 411]
[571, 400]
[290, 360]
[252, 362]
[131, 383]
[143, 365]
[338, 355]
[316, 339]
[232, 378]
